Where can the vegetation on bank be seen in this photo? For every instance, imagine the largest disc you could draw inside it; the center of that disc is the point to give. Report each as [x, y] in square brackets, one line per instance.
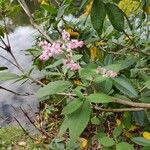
[94, 56]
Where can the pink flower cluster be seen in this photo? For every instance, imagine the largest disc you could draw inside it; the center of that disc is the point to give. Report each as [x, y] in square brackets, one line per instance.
[70, 64]
[66, 45]
[106, 73]
[50, 50]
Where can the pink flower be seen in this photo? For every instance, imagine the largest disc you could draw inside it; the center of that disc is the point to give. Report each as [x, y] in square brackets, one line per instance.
[73, 44]
[70, 64]
[106, 73]
[56, 49]
[44, 57]
[65, 35]
[74, 66]
[44, 43]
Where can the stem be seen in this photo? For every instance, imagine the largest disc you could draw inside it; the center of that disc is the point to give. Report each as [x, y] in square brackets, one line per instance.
[119, 110]
[130, 40]
[15, 60]
[130, 103]
[3, 42]
[3, 88]
[117, 100]
[6, 31]
[9, 61]
[2, 47]
[30, 120]
[24, 130]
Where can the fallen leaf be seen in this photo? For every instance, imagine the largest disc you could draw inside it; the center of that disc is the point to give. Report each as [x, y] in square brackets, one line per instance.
[22, 143]
[146, 135]
[83, 144]
[118, 122]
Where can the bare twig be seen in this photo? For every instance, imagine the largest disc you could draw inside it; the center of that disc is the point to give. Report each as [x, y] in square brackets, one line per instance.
[23, 128]
[2, 47]
[6, 31]
[30, 120]
[15, 63]
[26, 94]
[9, 61]
[136, 48]
[3, 42]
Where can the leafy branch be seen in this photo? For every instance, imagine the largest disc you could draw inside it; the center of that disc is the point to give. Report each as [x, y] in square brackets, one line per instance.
[28, 13]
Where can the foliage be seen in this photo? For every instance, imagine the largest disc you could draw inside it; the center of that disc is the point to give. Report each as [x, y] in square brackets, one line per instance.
[15, 138]
[90, 86]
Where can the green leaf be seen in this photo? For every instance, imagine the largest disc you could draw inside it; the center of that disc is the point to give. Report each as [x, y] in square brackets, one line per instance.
[61, 11]
[108, 59]
[100, 135]
[49, 8]
[147, 84]
[83, 3]
[76, 57]
[78, 92]
[141, 141]
[55, 64]
[7, 75]
[64, 126]
[78, 120]
[1, 31]
[99, 78]
[146, 148]
[123, 146]
[98, 15]
[125, 87]
[106, 85]
[3, 68]
[117, 131]
[87, 73]
[115, 16]
[127, 120]
[127, 62]
[106, 141]
[95, 120]
[139, 117]
[72, 106]
[53, 88]
[113, 67]
[99, 98]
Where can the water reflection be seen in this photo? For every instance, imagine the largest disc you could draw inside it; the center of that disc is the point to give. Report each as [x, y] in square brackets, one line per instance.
[21, 39]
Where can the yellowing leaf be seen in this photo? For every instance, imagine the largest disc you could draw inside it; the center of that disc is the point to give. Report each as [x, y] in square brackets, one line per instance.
[83, 144]
[146, 135]
[133, 128]
[118, 122]
[101, 43]
[43, 2]
[22, 143]
[129, 6]
[88, 9]
[95, 53]
[73, 33]
[127, 134]
[127, 38]
[147, 10]
[77, 82]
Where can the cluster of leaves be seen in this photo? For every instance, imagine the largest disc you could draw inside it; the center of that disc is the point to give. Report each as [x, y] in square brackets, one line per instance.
[109, 43]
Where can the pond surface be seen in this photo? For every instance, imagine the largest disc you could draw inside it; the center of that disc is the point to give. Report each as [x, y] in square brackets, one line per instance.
[21, 39]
